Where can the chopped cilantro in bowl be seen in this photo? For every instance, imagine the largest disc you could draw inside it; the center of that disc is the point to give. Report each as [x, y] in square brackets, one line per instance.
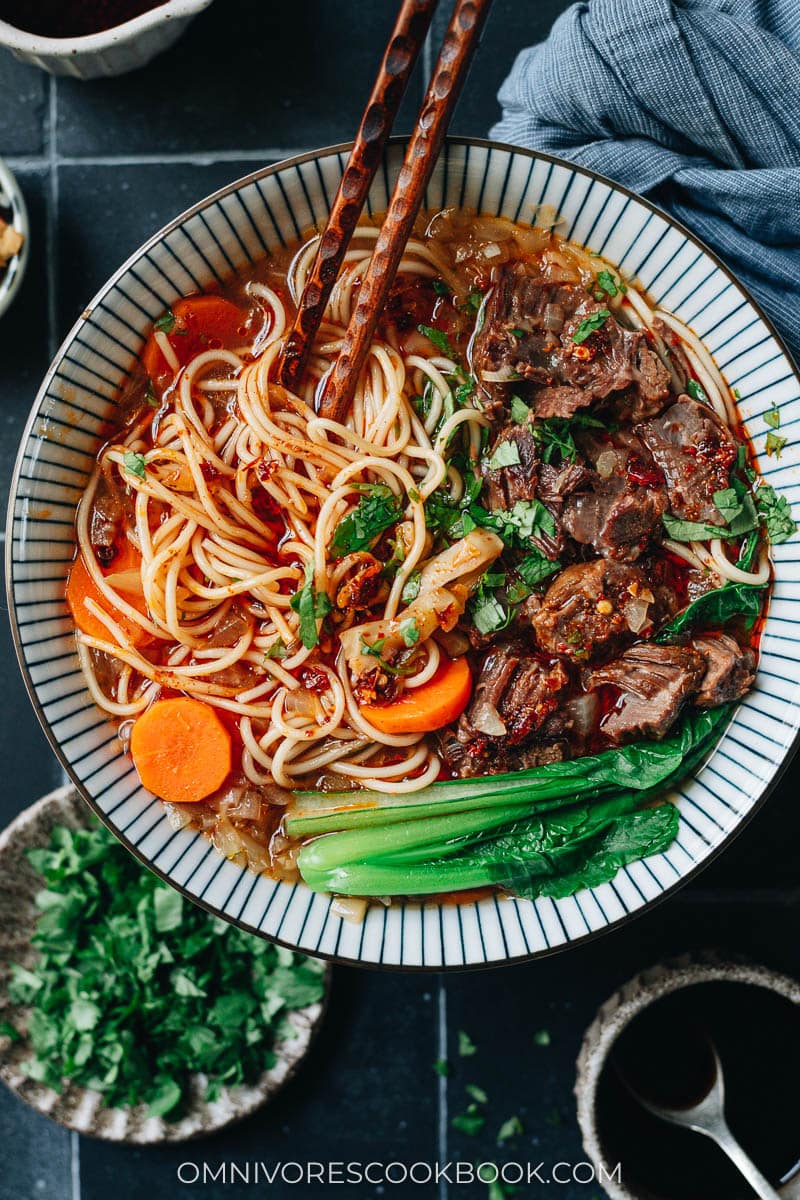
[130, 990]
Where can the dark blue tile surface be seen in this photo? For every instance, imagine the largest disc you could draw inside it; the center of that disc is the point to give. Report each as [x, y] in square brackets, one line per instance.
[250, 81]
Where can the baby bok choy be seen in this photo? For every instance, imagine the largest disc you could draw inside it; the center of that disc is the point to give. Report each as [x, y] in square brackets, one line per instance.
[547, 831]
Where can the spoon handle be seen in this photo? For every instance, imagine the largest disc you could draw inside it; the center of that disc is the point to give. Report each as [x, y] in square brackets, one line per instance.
[727, 1142]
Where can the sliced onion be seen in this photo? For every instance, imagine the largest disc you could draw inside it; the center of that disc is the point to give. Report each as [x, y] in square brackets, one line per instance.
[492, 250]
[126, 581]
[635, 613]
[583, 711]
[486, 719]
[606, 463]
[178, 815]
[502, 376]
[349, 908]
[553, 317]
[455, 642]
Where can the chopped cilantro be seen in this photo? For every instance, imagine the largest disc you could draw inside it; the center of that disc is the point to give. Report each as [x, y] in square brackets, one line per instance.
[776, 513]
[410, 588]
[150, 395]
[506, 454]
[134, 464]
[541, 1037]
[276, 650]
[471, 1122]
[379, 509]
[440, 287]
[441, 1067]
[409, 631]
[773, 417]
[310, 606]
[519, 410]
[134, 991]
[737, 395]
[775, 444]
[610, 285]
[440, 340]
[166, 322]
[509, 1129]
[518, 333]
[535, 567]
[466, 1046]
[477, 1093]
[590, 325]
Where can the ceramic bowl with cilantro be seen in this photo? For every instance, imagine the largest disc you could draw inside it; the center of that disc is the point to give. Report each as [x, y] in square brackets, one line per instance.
[127, 1012]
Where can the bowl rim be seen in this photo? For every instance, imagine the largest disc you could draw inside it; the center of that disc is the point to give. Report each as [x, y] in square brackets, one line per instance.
[9, 287]
[344, 148]
[33, 43]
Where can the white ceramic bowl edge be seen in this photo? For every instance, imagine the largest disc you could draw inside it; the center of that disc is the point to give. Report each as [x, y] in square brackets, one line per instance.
[109, 52]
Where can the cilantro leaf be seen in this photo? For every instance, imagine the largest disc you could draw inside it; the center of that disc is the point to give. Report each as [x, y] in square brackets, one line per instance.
[375, 512]
[166, 322]
[590, 325]
[466, 1046]
[773, 417]
[505, 454]
[610, 285]
[411, 587]
[440, 340]
[409, 631]
[776, 513]
[310, 606]
[775, 444]
[519, 410]
[134, 464]
[509, 1129]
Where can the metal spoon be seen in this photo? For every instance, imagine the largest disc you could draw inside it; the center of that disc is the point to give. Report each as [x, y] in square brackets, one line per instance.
[708, 1117]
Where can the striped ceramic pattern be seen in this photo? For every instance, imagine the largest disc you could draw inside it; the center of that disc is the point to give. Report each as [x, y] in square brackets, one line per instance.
[226, 232]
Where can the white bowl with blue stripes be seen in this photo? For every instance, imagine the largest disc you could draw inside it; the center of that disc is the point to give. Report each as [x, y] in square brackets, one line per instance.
[232, 228]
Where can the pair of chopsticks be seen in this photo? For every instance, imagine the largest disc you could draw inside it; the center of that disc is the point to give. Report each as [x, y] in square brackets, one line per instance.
[408, 36]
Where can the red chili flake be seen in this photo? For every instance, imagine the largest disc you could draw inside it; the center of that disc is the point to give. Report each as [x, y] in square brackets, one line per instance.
[314, 680]
[643, 475]
[209, 472]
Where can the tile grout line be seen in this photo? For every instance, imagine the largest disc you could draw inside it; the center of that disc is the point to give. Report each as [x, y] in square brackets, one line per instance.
[51, 231]
[207, 158]
[51, 236]
[75, 1165]
[442, 1086]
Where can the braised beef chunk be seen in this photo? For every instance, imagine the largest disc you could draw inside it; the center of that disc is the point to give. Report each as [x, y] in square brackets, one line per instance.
[517, 481]
[516, 692]
[654, 682]
[522, 318]
[611, 359]
[624, 501]
[695, 450]
[467, 761]
[528, 340]
[729, 673]
[594, 606]
[112, 512]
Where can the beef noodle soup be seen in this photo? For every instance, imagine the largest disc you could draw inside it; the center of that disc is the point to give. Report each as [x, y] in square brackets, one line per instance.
[536, 543]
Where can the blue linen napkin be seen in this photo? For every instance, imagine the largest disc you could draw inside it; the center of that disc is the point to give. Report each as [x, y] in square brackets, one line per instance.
[693, 103]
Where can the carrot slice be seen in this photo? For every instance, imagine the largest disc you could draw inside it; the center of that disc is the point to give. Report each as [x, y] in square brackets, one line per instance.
[200, 322]
[82, 587]
[181, 750]
[431, 706]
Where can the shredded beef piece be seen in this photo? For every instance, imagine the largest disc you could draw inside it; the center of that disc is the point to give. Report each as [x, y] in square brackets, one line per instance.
[695, 450]
[587, 608]
[506, 485]
[730, 670]
[654, 682]
[617, 512]
[112, 511]
[527, 340]
[515, 693]
[469, 761]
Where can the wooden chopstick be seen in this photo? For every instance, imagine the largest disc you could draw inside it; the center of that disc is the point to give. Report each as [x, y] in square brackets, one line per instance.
[402, 51]
[459, 45]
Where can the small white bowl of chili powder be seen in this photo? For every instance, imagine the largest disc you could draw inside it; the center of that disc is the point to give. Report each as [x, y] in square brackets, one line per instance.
[90, 38]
